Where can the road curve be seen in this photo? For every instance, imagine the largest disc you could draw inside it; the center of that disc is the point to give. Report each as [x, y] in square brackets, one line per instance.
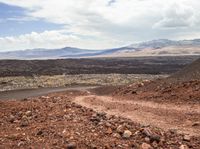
[165, 116]
[27, 93]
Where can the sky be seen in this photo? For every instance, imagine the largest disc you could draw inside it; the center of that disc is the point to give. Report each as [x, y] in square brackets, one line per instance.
[95, 24]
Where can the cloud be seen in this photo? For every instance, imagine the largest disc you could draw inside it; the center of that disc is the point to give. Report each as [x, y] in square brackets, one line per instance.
[177, 15]
[49, 39]
[21, 19]
[111, 23]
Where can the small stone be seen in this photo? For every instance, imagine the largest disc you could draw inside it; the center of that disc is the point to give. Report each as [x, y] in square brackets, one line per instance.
[24, 121]
[116, 135]
[186, 138]
[28, 113]
[120, 129]
[155, 144]
[153, 137]
[109, 131]
[145, 125]
[11, 118]
[24, 117]
[127, 134]
[183, 147]
[93, 146]
[20, 113]
[77, 133]
[100, 123]
[173, 131]
[71, 146]
[145, 146]
[108, 124]
[40, 132]
[107, 146]
[196, 124]
[101, 114]
[147, 139]
[18, 128]
[140, 84]
[20, 143]
[147, 132]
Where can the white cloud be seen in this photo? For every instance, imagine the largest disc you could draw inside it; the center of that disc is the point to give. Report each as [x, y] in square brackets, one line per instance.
[177, 15]
[50, 39]
[119, 23]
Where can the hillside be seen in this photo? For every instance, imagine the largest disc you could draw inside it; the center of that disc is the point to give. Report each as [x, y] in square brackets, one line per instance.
[191, 71]
[46, 53]
[182, 86]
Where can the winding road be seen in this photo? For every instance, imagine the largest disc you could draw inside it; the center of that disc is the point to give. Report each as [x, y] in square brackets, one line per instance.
[183, 118]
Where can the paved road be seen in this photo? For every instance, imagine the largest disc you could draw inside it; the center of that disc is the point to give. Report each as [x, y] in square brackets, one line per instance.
[26, 93]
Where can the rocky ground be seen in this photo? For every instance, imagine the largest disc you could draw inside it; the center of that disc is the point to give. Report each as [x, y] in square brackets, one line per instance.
[58, 121]
[186, 92]
[147, 114]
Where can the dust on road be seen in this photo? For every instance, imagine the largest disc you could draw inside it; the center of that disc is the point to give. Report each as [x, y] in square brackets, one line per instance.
[165, 116]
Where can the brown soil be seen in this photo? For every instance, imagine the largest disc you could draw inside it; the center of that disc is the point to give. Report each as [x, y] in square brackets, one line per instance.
[179, 93]
[87, 120]
[165, 116]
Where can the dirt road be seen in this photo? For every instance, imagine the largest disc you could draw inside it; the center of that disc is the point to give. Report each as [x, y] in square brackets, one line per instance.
[65, 119]
[181, 118]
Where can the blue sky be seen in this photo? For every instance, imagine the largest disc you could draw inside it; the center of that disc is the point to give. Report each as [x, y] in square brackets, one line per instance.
[94, 24]
[14, 22]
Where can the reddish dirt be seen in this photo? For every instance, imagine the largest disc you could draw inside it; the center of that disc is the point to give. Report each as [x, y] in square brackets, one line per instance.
[134, 116]
[165, 116]
[187, 92]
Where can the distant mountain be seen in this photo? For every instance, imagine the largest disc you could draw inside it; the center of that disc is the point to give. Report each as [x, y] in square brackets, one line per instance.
[160, 43]
[160, 47]
[154, 44]
[47, 53]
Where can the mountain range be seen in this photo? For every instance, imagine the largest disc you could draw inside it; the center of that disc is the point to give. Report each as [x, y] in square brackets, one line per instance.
[160, 47]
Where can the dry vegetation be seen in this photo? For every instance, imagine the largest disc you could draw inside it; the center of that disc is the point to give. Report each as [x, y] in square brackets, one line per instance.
[21, 82]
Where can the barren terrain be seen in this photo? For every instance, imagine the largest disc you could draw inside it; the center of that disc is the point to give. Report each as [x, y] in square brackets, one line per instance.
[145, 114]
[167, 108]
[84, 119]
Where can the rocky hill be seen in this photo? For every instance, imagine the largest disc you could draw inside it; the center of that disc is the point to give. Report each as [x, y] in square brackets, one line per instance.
[182, 86]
